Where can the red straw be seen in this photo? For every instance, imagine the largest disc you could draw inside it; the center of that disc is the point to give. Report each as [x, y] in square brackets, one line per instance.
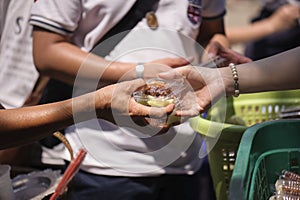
[71, 170]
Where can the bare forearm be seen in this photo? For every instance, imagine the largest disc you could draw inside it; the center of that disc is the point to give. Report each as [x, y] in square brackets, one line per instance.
[25, 125]
[279, 72]
[56, 57]
[28, 124]
[284, 18]
[250, 32]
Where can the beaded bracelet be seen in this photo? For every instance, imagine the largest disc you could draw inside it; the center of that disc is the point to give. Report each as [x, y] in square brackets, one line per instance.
[235, 79]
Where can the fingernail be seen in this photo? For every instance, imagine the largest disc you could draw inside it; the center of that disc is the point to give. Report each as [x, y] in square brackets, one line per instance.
[163, 73]
[211, 55]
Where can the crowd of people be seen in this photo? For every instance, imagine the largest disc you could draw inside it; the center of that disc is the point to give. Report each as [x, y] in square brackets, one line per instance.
[78, 60]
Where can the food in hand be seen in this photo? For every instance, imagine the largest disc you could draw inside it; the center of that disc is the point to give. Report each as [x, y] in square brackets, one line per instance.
[157, 93]
[160, 93]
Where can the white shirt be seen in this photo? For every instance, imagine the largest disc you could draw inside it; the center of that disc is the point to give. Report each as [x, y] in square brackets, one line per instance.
[18, 74]
[125, 151]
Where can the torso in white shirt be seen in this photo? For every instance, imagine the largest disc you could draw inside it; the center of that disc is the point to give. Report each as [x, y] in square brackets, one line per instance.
[124, 151]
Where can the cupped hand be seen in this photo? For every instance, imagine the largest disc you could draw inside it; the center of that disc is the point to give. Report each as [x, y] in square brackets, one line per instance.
[125, 111]
[123, 102]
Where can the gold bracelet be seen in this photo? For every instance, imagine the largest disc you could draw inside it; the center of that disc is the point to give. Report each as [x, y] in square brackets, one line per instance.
[236, 92]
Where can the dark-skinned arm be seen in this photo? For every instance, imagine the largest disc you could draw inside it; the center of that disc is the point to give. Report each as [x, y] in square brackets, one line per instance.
[28, 124]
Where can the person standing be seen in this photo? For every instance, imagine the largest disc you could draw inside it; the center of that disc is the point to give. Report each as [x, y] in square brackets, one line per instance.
[284, 25]
[126, 163]
[18, 74]
[19, 79]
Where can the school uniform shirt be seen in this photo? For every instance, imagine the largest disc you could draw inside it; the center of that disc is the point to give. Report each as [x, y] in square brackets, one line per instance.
[124, 151]
[18, 74]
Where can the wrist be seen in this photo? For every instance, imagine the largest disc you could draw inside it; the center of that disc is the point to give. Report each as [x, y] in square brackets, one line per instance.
[83, 107]
[121, 71]
[227, 80]
[103, 97]
[235, 77]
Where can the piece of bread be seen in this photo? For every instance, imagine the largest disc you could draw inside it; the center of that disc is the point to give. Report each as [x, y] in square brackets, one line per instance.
[157, 93]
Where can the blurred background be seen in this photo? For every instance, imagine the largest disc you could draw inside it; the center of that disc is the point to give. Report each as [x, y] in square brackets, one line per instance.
[240, 12]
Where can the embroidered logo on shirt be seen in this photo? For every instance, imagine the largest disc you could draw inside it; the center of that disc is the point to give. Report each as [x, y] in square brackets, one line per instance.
[194, 11]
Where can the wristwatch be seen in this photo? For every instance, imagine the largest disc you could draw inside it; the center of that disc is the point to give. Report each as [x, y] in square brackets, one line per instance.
[139, 69]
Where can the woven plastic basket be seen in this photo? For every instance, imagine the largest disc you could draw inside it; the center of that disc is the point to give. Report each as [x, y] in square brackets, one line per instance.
[222, 139]
[266, 150]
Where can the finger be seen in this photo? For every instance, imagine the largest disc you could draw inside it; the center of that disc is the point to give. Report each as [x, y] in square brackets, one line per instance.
[134, 84]
[174, 74]
[213, 49]
[240, 59]
[190, 112]
[156, 112]
[187, 113]
[183, 61]
[204, 104]
[177, 62]
[164, 128]
[138, 83]
[244, 59]
[171, 74]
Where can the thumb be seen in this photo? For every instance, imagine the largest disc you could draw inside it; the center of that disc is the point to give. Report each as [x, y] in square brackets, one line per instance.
[166, 75]
[213, 49]
[171, 74]
[133, 85]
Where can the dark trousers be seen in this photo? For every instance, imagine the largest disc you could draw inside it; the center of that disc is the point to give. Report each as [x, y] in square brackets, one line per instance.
[166, 187]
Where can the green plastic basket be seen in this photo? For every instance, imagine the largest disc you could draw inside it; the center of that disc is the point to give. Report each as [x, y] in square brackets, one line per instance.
[265, 150]
[222, 139]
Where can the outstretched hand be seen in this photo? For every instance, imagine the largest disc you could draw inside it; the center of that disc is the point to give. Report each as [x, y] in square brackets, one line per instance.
[214, 48]
[207, 83]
